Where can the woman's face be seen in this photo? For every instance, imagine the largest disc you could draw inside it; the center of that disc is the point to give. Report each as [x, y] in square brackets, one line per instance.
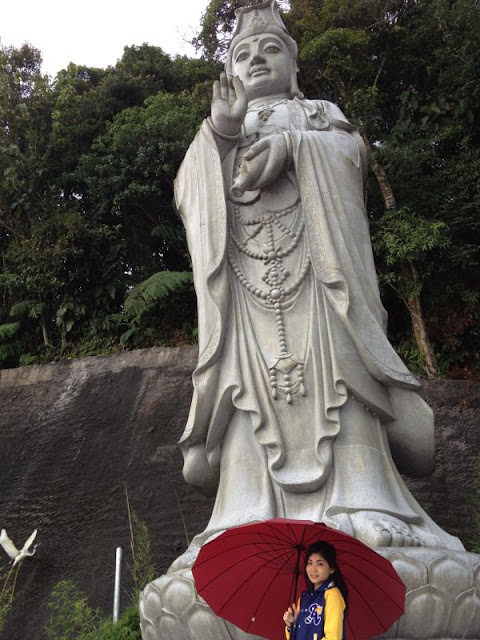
[264, 64]
[318, 570]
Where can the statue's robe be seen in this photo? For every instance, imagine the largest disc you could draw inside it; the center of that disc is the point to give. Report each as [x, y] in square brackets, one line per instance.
[327, 452]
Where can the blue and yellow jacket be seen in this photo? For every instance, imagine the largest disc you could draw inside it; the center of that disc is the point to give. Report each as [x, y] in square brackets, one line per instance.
[321, 615]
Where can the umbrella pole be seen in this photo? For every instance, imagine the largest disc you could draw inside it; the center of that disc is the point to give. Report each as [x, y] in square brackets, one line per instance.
[297, 573]
[295, 586]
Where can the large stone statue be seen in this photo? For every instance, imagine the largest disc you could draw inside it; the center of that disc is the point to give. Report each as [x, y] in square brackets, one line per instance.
[297, 388]
[299, 399]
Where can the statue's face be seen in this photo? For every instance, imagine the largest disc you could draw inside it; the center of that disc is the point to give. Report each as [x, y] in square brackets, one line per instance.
[264, 64]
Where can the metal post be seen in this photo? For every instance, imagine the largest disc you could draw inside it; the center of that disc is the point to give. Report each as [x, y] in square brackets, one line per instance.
[116, 594]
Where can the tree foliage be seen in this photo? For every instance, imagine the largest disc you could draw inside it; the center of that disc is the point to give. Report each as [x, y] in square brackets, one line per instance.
[392, 68]
[87, 163]
[72, 618]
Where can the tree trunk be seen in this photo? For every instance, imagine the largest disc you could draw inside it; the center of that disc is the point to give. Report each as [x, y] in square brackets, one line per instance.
[43, 325]
[7, 293]
[414, 306]
[382, 179]
[413, 303]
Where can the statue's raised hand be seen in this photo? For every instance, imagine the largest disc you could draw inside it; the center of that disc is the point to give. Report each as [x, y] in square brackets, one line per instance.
[229, 105]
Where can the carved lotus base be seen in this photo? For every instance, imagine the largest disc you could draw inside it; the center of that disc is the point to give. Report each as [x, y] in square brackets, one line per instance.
[443, 601]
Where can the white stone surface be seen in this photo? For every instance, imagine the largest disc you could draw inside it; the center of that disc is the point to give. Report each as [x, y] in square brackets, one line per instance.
[297, 392]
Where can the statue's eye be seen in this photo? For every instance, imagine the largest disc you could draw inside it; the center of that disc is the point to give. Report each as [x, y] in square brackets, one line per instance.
[272, 48]
[243, 55]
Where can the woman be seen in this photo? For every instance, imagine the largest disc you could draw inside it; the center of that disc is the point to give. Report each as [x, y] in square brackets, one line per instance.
[320, 611]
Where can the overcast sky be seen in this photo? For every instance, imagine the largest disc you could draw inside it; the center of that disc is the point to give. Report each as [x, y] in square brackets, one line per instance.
[94, 32]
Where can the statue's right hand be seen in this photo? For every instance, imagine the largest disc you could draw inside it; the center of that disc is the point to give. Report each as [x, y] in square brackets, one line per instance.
[229, 105]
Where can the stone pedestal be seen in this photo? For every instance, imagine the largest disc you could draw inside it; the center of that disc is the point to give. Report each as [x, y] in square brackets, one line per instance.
[443, 594]
[442, 603]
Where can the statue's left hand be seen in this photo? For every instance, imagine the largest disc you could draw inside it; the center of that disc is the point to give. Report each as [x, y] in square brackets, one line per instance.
[262, 164]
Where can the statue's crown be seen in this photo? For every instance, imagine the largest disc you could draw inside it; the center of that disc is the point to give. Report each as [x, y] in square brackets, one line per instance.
[259, 17]
[262, 18]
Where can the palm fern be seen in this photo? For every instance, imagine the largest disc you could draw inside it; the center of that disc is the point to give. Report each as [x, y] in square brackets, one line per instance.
[28, 308]
[8, 330]
[149, 292]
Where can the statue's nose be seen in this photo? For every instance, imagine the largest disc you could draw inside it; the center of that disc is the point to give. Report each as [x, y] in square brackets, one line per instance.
[257, 59]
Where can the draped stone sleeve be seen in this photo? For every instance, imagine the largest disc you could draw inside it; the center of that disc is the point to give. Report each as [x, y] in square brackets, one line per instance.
[328, 169]
[200, 201]
[330, 166]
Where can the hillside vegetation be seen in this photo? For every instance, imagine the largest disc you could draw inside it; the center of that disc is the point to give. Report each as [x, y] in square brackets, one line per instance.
[93, 258]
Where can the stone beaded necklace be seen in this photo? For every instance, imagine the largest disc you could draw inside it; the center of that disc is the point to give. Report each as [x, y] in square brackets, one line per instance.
[276, 295]
[265, 110]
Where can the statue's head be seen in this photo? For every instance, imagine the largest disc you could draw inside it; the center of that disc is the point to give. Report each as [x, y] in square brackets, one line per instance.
[262, 52]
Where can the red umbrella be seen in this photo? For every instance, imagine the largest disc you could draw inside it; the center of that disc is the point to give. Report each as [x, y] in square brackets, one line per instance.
[249, 575]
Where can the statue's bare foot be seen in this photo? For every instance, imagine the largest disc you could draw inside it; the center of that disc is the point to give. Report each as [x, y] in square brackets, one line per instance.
[384, 530]
[340, 521]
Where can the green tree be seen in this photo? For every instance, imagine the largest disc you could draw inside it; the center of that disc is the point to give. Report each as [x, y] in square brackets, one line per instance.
[76, 233]
[25, 97]
[87, 164]
[70, 617]
[59, 267]
[128, 179]
[388, 66]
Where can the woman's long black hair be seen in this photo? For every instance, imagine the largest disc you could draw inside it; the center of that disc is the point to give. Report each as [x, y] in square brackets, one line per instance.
[328, 553]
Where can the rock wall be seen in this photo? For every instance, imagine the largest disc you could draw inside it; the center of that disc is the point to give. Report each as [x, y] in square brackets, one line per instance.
[75, 435]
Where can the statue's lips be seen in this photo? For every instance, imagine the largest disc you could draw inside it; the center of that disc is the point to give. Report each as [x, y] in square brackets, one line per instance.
[259, 71]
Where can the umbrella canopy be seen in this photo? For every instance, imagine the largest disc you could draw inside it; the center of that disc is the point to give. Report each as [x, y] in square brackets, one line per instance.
[250, 574]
